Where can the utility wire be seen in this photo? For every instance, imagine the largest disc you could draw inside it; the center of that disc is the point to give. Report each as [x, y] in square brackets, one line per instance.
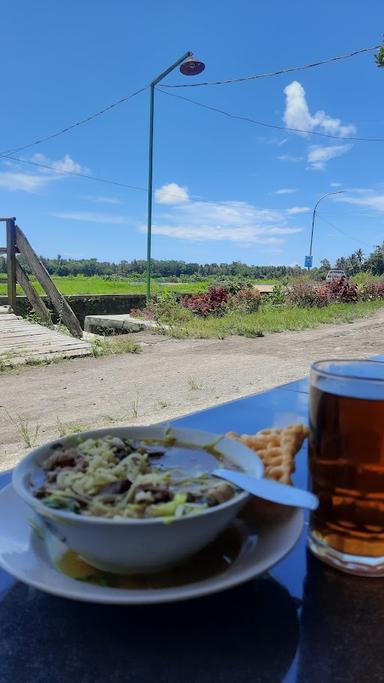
[81, 122]
[365, 244]
[347, 55]
[89, 118]
[75, 173]
[268, 125]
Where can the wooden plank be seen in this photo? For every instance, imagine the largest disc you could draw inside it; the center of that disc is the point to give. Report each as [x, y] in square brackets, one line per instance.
[11, 262]
[15, 336]
[39, 339]
[21, 341]
[61, 305]
[30, 343]
[23, 360]
[48, 352]
[36, 302]
[49, 348]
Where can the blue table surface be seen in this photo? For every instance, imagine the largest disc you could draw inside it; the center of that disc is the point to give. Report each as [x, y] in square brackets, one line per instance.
[303, 621]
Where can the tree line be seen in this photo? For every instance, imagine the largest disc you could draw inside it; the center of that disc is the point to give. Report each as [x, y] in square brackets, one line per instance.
[173, 269]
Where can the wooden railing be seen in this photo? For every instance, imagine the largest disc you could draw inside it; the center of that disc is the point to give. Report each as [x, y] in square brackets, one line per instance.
[17, 243]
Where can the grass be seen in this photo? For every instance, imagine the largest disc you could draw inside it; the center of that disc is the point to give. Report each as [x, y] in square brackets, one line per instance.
[135, 404]
[83, 285]
[70, 428]
[28, 435]
[269, 319]
[160, 404]
[193, 384]
[114, 345]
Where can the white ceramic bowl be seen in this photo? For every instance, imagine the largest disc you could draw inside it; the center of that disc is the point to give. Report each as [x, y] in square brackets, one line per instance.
[138, 545]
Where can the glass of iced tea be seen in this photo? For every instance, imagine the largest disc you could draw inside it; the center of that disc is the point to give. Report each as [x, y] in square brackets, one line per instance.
[346, 463]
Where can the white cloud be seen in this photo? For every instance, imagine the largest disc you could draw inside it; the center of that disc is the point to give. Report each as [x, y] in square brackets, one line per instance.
[368, 198]
[17, 180]
[231, 221]
[26, 182]
[318, 155]
[285, 190]
[294, 210]
[289, 157]
[297, 114]
[100, 199]
[65, 165]
[171, 194]
[91, 217]
[335, 184]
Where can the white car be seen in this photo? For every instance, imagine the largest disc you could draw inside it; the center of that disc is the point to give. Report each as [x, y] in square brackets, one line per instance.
[335, 274]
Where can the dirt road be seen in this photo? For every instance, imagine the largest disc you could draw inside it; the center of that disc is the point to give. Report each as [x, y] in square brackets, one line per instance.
[169, 378]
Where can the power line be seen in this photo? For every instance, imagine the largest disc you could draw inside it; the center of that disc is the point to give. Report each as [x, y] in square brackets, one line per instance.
[344, 233]
[75, 173]
[116, 103]
[81, 122]
[268, 125]
[287, 70]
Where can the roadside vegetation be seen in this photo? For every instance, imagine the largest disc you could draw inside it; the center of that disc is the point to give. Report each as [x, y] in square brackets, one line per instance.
[239, 309]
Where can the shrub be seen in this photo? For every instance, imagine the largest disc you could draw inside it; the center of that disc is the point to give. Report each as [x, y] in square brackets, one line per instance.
[165, 308]
[371, 290]
[277, 296]
[246, 300]
[304, 293]
[368, 290]
[168, 309]
[343, 290]
[234, 284]
[212, 302]
[307, 294]
[322, 296]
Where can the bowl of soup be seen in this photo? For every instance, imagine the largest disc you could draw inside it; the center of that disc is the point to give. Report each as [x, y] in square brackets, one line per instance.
[135, 499]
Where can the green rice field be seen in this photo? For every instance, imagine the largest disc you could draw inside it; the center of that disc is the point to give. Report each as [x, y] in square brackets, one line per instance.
[97, 285]
[81, 284]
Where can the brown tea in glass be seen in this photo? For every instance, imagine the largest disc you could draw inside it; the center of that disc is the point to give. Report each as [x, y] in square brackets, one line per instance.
[346, 464]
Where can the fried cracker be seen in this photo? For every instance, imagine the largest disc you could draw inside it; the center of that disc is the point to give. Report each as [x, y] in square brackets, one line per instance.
[276, 448]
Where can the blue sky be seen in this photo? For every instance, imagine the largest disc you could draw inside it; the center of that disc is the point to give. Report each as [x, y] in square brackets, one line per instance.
[225, 190]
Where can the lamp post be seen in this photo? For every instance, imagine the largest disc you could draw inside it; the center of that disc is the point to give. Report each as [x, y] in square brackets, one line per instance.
[308, 259]
[189, 66]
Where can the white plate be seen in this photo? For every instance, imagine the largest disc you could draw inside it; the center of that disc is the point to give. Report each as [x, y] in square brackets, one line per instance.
[30, 558]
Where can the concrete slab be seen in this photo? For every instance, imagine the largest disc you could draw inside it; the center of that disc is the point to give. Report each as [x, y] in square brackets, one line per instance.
[118, 324]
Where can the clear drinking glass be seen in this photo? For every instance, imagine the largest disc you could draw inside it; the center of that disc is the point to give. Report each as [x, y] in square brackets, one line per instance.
[346, 464]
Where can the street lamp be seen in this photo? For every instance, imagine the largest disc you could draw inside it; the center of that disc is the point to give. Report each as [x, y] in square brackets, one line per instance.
[189, 67]
[309, 259]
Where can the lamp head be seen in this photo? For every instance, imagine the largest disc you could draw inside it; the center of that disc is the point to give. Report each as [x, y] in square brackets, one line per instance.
[192, 66]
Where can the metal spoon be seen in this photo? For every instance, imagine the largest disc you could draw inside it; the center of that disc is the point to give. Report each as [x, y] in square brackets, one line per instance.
[269, 489]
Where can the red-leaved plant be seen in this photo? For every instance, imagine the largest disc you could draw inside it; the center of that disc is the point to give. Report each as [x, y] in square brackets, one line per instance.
[212, 302]
[307, 294]
[343, 290]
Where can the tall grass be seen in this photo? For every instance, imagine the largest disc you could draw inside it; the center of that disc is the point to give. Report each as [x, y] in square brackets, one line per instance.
[83, 285]
[80, 284]
[270, 319]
